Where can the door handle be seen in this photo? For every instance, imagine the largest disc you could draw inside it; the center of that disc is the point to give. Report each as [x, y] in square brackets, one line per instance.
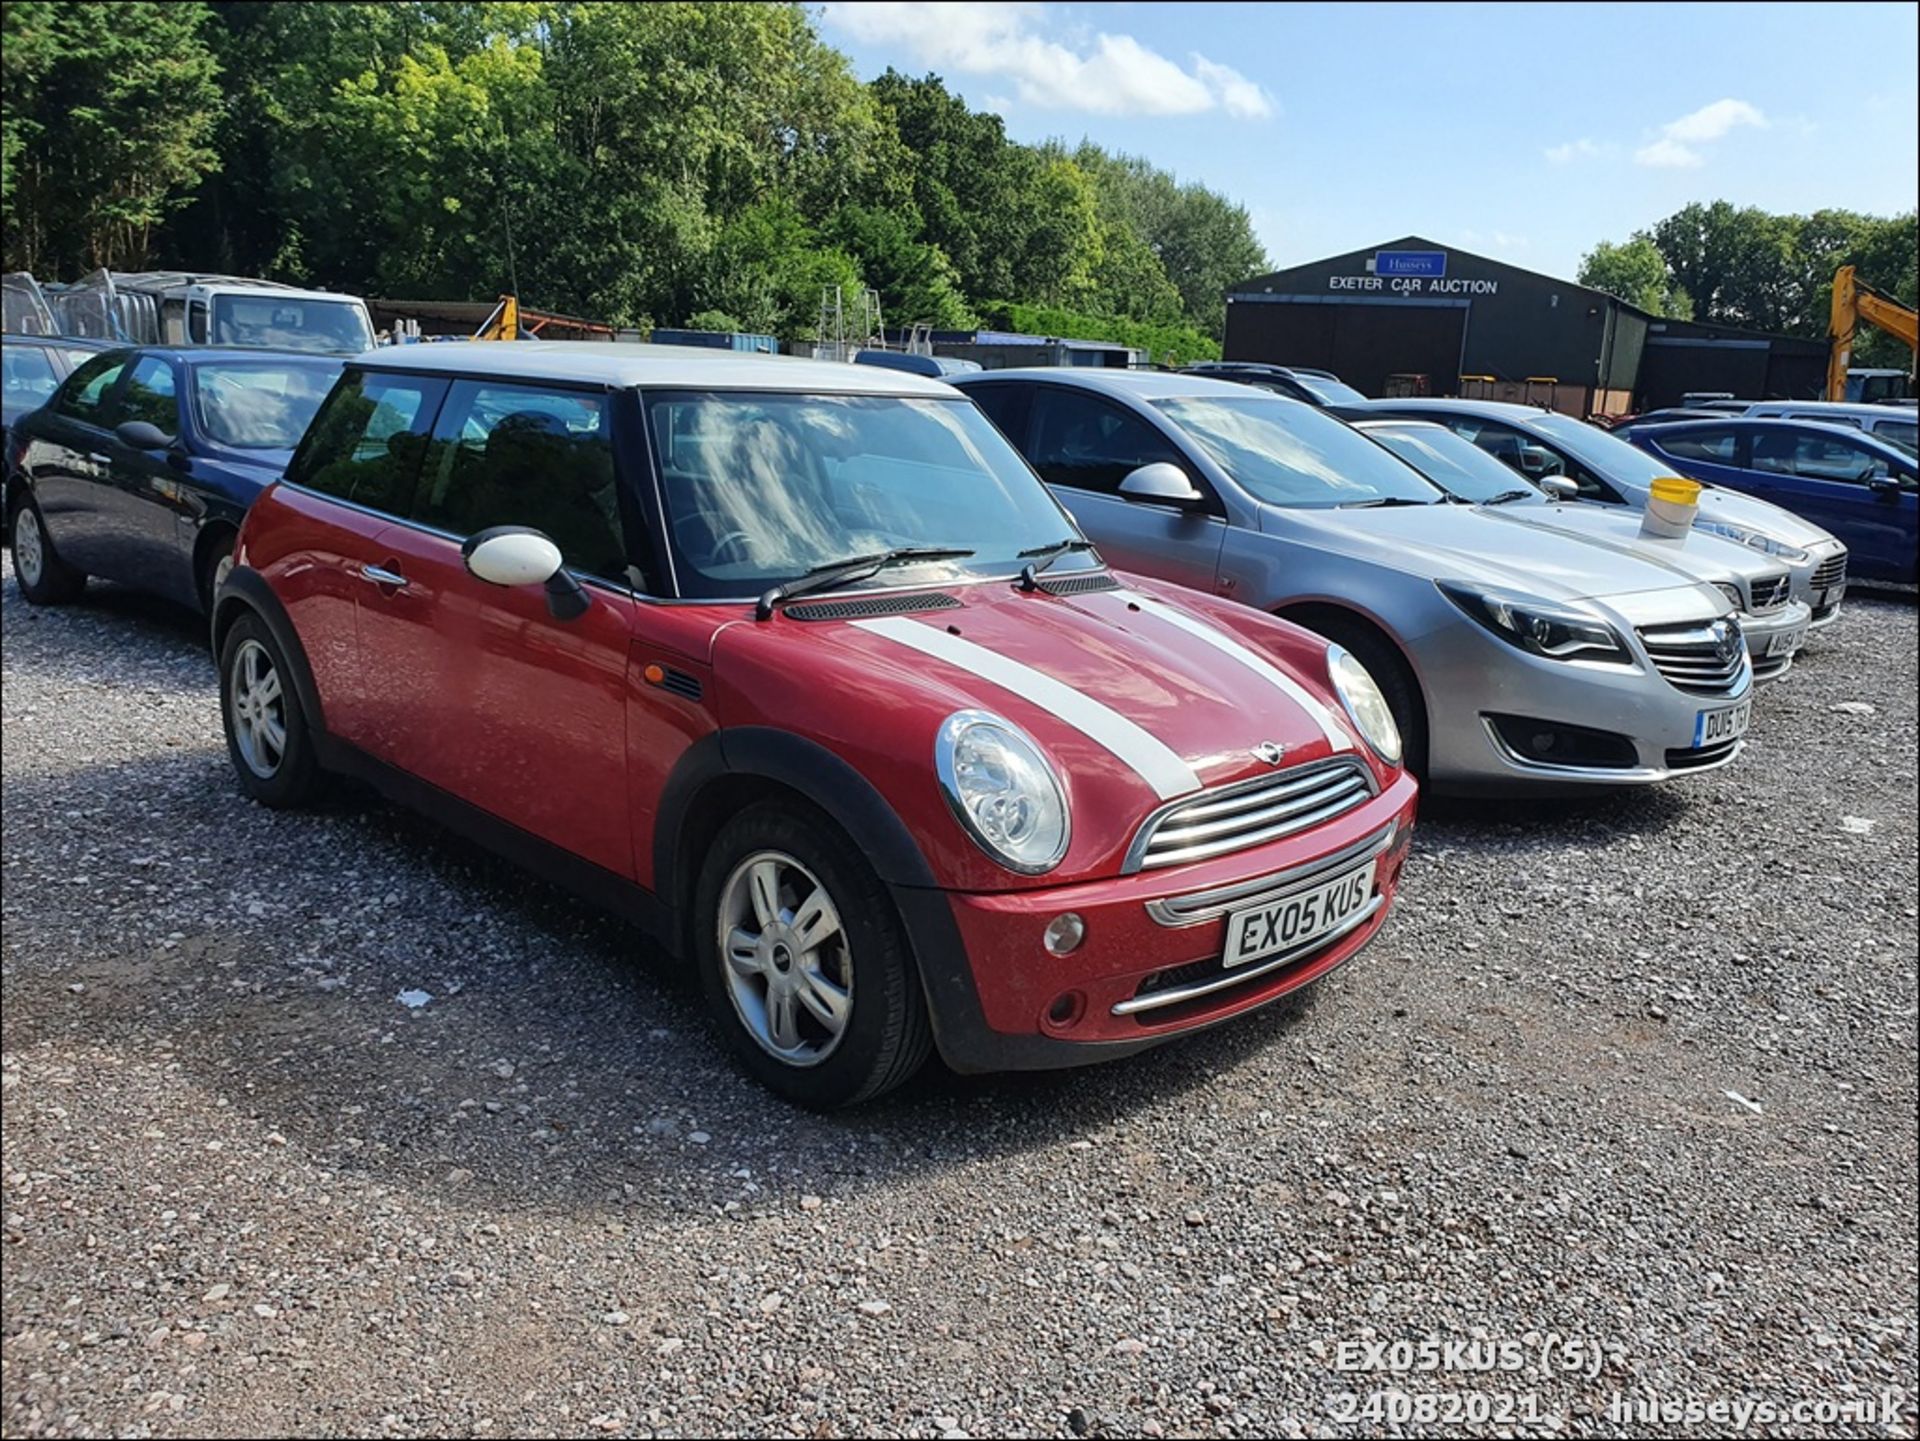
[380, 576]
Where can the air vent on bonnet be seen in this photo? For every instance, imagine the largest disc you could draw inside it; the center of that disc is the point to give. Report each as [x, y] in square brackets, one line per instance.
[865, 607]
[1079, 584]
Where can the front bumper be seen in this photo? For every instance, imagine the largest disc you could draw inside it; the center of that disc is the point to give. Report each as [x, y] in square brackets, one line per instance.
[1482, 694]
[1149, 967]
[1773, 639]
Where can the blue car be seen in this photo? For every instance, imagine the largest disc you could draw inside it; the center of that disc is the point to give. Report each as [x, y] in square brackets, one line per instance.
[141, 465]
[1860, 488]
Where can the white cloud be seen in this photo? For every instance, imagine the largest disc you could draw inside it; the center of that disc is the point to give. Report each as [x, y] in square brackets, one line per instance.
[1675, 147]
[1581, 149]
[1108, 75]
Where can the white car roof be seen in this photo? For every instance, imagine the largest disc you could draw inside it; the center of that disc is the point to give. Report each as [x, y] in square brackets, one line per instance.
[622, 364]
[1817, 409]
[1139, 384]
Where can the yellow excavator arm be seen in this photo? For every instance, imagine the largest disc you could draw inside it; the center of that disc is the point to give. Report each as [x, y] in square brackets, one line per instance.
[1854, 302]
[504, 323]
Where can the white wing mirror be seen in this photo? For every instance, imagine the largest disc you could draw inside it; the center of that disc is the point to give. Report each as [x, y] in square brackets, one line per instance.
[514, 555]
[1161, 483]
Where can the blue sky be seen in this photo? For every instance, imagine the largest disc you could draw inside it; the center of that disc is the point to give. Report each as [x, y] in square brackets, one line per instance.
[1522, 131]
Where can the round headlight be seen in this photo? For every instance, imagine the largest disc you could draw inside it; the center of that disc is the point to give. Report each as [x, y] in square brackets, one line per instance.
[1365, 706]
[1003, 791]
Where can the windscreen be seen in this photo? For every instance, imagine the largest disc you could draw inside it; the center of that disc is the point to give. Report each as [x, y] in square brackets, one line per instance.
[1609, 455]
[1451, 462]
[1327, 390]
[291, 323]
[259, 405]
[1287, 453]
[762, 487]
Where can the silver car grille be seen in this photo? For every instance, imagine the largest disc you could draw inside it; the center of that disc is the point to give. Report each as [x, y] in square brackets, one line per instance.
[1771, 592]
[1250, 813]
[1698, 659]
[1830, 572]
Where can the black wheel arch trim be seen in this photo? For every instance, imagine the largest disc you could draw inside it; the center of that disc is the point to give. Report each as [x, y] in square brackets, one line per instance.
[246, 592]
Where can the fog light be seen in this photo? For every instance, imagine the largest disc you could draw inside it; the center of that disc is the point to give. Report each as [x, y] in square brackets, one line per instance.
[1064, 933]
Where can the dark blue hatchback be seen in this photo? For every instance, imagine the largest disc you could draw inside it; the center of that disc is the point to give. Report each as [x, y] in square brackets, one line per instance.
[141, 466]
[1860, 488]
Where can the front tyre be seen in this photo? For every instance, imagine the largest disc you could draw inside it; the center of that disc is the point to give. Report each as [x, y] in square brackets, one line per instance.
[804, 962]
[267, 735]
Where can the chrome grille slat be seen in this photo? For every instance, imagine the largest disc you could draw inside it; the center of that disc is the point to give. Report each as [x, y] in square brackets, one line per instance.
[1250, 813]
[1771, 592]
[1830, 572]
[1687, 657]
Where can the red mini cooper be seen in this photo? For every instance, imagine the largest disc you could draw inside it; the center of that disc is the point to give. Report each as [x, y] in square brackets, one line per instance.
[800, 666]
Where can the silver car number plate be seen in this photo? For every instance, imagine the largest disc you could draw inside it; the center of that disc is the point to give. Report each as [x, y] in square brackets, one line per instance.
[1296, 921]
[1712, 727]
[1787, 642]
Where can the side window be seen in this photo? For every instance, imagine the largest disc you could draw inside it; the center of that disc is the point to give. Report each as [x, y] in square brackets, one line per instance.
[149, 395]
[1816, 457]
[1006, 406]
[1717, 445]
[88, 389]
[527, 455]
[365, 444]
[1083, 442]
[30, 377]
[197, 322]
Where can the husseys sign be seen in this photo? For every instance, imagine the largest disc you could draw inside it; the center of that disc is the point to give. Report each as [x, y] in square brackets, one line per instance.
[1411, 272]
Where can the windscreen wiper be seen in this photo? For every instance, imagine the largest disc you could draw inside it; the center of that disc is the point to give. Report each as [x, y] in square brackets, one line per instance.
[854, 567]
[1382, 501]
[1043, 556]
[1506, 495]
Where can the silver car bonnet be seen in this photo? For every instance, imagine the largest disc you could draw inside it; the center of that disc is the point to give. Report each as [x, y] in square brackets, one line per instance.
[1718, 503]
[1465, 542]
[1698, 556]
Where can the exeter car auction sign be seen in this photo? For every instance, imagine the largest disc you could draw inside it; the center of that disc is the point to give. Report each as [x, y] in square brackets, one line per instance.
[1411, 272]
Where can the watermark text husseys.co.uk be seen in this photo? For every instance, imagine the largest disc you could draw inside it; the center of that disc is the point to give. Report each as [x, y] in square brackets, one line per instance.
[1629, 1408]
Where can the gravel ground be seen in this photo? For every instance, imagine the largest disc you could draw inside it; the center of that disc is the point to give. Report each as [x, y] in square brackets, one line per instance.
[1638, 1073]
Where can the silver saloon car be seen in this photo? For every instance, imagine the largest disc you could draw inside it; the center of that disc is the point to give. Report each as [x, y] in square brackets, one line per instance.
[1774, 623]
[1513, 659]
[1609, 471]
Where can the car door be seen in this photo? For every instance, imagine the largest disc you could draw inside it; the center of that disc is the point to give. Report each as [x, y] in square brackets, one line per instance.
[1715, 454]
[143, 489]
[1839, 481]
[1083, 445]
[480, 689]
[349, 482]
[67, 462]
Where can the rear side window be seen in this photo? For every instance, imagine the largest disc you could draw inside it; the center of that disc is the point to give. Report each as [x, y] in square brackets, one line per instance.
[1816, 457]
[89, 388]
[366, 443]
[527, 455]
[1716, 445]
[1005, 405]
[149, 395]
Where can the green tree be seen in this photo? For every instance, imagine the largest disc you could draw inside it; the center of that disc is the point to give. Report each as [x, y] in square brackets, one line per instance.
[109, 117]
[916, 282]
[1637, 273]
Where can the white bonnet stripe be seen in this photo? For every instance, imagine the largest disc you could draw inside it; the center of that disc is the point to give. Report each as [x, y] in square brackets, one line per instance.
[1159, 766]
[1336, 735]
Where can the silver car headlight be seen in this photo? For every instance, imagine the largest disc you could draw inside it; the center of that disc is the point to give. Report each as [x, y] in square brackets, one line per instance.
[1559, 632]
[1732, 593]
[1753, 540]
[1366, 707]
[1002, 790]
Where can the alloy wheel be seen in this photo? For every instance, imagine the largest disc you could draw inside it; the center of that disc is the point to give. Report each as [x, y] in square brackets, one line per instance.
[259, 710]
[29, 550]
[787, 962]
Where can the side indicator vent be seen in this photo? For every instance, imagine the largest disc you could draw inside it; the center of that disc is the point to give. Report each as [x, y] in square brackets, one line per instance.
[677, 681]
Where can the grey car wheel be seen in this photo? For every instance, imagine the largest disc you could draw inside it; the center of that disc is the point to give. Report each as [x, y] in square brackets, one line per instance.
[259, 710]
[789, 967]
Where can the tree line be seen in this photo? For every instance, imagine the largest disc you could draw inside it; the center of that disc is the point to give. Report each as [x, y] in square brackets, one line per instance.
[667, 163]
[1740, 266]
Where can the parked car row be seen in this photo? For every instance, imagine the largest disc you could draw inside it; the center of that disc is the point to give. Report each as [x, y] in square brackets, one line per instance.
[1036, 718]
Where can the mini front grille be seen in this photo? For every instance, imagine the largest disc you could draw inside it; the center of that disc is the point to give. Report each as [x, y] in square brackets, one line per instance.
[1771, 592]
[1694, 658]
[864, 608]
[1250, 813]
[1830, 572]
[1079, 584]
